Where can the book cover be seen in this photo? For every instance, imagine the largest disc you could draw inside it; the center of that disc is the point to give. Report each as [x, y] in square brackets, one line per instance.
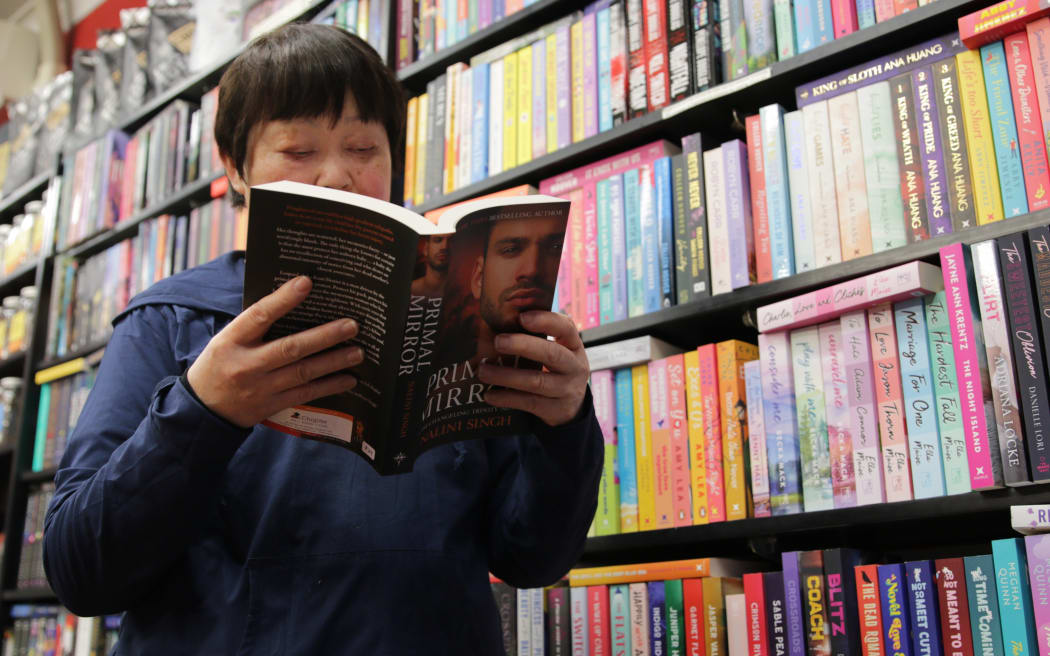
[931, 152]
[927, 469]
[619, 620]
[731, 356]
[697, 437]
[869, 610]
[679, 431]
[946, 393]
[979, 145]
[637, 92]
[837, 412]
[1037, 549]
[603, 392]
[843, 621]
[625, 453]
[657, 618]
[999, 20]
[716, 590]
[793, 613]
[890, 403]
[925, 620]
[738, 214]
[777, 191]
[423, 375]
[639, 598]
[1039, 50]
[559, 623]
[1008, 421]
[896, 613]
[851, 191]
[761, 34]
[953, 136]
[821, 171]
[713, 464]
[759, 209]
[775, 613]
[863, 426]
[660, 441]
[679, 65]
[1029, 122]
[912, 184]
[811, 573]
[717, 221]
[674, 609]
[1015, 596]
[982, 599]
[663, 203]
[754, 606]
[798, 190]
[951, 597]
[655, 49]
[580, 618]
[817, 491]
[693, 612]
[643, 448]
[756, 430]
[598, 620]
[694, 281]
[778, 398]
[1004, 130]
[1029, 363]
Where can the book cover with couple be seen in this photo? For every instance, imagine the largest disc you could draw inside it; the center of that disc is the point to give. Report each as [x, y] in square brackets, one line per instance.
[428, 298]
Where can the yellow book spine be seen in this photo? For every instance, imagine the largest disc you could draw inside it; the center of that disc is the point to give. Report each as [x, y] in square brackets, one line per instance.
[732, 354]
[524, 106]
[552, 93]
[422, 133]
[510, 111]
[643, 451]
[362, 19]
[576, 53]
[979, 146]
[451, 98]
[634, 573]
[410, 150]
[697, 460]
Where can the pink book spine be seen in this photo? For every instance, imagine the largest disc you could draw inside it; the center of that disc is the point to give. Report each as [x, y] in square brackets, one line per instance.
[683, 509]
[574, 235]
[1037, 548]
[971, 370]
[716, 501]
[837, 415]
[756, 431]
[884, 10]
[843, 17]
[1039, 50]
[849, 295]
[867, 453]
[590, 76]
[890, 399]
[1029, 121]
[660, 427]
[592, 313]
[804, 309]
[564, 182]
[759, 207]
[598, 623]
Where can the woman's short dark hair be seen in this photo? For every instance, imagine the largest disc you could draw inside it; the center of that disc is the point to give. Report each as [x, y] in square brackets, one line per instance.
[305, 71]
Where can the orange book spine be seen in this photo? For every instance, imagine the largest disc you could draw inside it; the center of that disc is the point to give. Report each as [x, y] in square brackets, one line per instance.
[732, 355]
[690, 568]
[660, 436]
[697, 444]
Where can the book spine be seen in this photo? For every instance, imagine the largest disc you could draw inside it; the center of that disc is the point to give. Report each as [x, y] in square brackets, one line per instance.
[696, 279]
[805, 26]
[717, 221]
[496, 118]
[997, 21]
[591, 310]
[890, 403]
[930, 151]
[1009, 426]
[798, 189]
[577, 278]
[1015, 596]
[777, 198]
[812, 426]
[927, 469]
[869, 610]
[578, 64]
[979, 146]
[843, 620]
[811, 570]
[617, 62]
[633, 234]
[953, 135]
[643, 448]
[912, 186]
[896, 620]
[821, 171]
[775, 615]
[761, 34]
[680, 219]
[971, 367]
[590, 75]
[1029, 123]
[674, 617]
[618, 248]
[793, 593]
[564, 84]
[1037, 549]
[707, 44]
[754, 606]
[881, 170]
[664, 202]
[951, 589]
[823, 25]
[756, 430]
[436, 137]
[732, 355]
[660, 439]
[524, 607]
[759, 208]
[481, 121]
[636, 64]
[697, 437]
[837, 410]
[1039, 50]
[778, 398]
[679, 66]
[650, 238]
[625, 456]
[1004, 130]
[607, 517]
[579, 618]
[511, 88]
[784, 20]
[713, 466]
[867, 455]
[604, 77]
[657, 619]
[844, 17]
[925, 621]
[983, 606]
[676, 404]
[655, 34]
[598, 629]
[603, 209]
[539, 102]
[693, 612]
[619, 620]
[559, 631]
[639, 598]
[1030, 365]
[738, 215]
[734, 39]
[946, 392]
[848, 167]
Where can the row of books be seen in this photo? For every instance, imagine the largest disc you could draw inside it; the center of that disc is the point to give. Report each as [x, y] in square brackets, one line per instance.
[48, 630]
[426, 26]
[87, 295]
[31, 561]
[365, 18]
[59, 408]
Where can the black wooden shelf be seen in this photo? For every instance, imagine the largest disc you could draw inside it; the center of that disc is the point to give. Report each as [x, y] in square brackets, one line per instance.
[13, 365]
[11, 204]
[20, 277]
[42, 476]
[24, 595]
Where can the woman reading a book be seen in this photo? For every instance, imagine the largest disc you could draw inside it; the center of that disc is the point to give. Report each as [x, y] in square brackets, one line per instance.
[216, 535]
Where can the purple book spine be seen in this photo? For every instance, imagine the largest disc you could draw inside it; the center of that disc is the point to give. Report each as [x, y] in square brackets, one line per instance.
[563, 84]
[738, 214]
[539, 98]
[932, 155]
[619, 247]
[1038, 550]
[657, 618]
[867, 454]
[837, 415]
[590, 76]
[796, 630]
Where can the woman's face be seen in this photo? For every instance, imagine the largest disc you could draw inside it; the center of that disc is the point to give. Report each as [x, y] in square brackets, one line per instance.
[350, 155]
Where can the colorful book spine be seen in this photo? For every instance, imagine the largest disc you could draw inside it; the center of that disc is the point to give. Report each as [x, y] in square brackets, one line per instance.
[660, 440]
[607, 517]
[777, 193]
[625, 455]
[784, 20]
[539, 100]
[844, 17]
[869, 609]
[1004, 130]
[925, 620]
[679, 66]
[677, 409]
[931, 152]
[603, 209]
[707, 45]
[1015, 596]
[1039, 50]
[731, 356]
[1029, 122]
[805, 22]
[604, 79]
[824, 27]
[496, 117]
[756, 429]
[812, 425]
[927, 469]
[657, 618]
[793, 593]
[984, 606]
[636, 75]
[639, 598]
[680, 218]
[759, 209]
[761, 34]
[617, 62]
[843, 621]
[896, 615]
[912, 185]
[650, 238]
[693, 611]
[620, 620]
[798, 189]
[579, 618]
[695, 281]
[997, 342]
[655, 34]
[1030, 365]
[837, 411]
[674, 615]
[863, 426]
[821, 171]
[633, 243]
[564, 83]
[713, 466]
[890, 403]
[946, 393]
[590, 74]
[559, 622]
[577, 63]
[811, 571]
[618, 246]
[999, 20]
[738, 215]
[778, 398]
[598, 619]
[979, 144]
[1037, 549]
[953, 136]
[775, 614]
[643, 448]
[755, 604]
[951, 596]
[511, 86]
[697, 437]
[717, 225]
[848, 165]
[664, 204]
[734, 39]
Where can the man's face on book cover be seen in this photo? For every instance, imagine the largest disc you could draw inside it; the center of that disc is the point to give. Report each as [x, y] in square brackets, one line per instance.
[517, 270]
[436, 253]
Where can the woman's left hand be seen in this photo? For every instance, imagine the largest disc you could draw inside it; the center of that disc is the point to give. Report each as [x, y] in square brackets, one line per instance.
[554, 393]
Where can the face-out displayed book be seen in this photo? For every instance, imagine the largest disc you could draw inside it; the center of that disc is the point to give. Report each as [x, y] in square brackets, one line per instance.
[428, 298]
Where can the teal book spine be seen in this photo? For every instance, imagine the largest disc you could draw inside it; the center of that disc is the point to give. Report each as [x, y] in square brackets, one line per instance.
[1015, 597]
[1004, 130]
[812, 425]
[778, 199]
[633, 221]
[946, 394]
[798, 187]
[784, 21]
[620, 619]
[605, 261]
[625, 457]
[40, 440]
[881, 168]
[984, 606]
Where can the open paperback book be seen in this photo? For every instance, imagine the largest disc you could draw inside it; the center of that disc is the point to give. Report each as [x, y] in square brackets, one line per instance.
[428, 299]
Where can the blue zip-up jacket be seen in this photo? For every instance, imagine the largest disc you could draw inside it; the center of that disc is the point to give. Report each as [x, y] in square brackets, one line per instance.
[212, 539]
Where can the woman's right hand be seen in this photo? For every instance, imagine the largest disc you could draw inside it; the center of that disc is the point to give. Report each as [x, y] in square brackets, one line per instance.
[244, 380]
